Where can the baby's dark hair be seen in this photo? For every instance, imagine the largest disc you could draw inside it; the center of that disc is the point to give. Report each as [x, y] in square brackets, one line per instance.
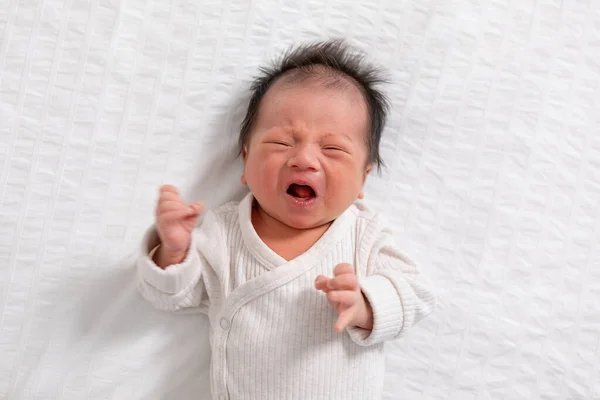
[330, 61]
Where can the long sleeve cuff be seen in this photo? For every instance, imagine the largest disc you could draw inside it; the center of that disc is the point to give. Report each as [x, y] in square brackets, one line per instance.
[174, 278]
[388, 314]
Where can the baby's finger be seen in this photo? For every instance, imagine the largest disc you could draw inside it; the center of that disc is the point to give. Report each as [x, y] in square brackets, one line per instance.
[342, 297]
[170, 205]
[344, 320]
[196, 208]
[171, 216]
[168, 188]
[321, 283]
[341, 269]
[343, 282]
[169, 196]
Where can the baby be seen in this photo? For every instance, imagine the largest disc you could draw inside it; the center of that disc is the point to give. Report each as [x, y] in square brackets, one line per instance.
[301, 283]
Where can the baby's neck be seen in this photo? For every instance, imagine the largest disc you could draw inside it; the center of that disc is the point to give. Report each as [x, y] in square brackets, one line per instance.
[288, 242]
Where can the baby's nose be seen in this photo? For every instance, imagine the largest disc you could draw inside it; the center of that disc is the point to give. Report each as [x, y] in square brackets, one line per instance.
[305, 158]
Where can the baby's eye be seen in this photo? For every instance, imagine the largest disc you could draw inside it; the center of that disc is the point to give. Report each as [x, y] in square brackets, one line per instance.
[280, 143]
[334, 148]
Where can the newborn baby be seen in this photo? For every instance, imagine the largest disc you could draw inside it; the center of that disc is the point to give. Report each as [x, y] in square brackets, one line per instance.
[300, 281]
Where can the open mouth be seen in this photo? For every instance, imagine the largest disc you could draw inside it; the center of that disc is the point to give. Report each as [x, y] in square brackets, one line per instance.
[301, 192]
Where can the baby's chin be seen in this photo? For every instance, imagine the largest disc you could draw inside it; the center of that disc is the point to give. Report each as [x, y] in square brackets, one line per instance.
[305, 222]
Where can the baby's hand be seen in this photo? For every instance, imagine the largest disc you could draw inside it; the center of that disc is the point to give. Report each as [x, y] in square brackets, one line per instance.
[175, 221]
[346, 298]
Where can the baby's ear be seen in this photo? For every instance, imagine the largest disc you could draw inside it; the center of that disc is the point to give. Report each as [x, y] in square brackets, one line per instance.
[244, 153]
[367, 171]
[361, 195]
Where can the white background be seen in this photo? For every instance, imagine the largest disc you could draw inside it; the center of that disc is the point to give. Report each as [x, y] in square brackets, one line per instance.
[493, 182]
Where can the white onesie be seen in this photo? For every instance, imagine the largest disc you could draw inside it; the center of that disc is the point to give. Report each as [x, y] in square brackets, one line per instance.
[272, 335]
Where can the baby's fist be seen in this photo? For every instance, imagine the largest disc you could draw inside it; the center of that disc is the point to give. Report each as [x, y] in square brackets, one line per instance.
[346, 298]
[175, 221]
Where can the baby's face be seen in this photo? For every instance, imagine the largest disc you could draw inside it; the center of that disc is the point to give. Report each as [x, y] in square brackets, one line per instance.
[306, 162]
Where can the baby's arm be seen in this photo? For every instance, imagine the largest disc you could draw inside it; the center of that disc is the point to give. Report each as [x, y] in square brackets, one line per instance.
[397, 293]
[176, 287]
[382, 305]
[171, 269]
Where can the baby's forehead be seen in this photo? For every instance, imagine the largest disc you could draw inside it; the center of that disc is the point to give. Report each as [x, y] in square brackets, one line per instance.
[314, 110]
[317, 81]
[287, 98]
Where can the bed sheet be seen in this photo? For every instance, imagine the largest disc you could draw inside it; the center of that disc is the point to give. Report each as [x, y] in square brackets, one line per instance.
[492, 183]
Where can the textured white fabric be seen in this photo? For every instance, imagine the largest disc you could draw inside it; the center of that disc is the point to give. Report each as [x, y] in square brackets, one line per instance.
[492, 183]
[272, 332]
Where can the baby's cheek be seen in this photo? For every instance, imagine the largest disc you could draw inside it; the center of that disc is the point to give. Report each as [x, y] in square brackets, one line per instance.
[266, 173]
[257, 164]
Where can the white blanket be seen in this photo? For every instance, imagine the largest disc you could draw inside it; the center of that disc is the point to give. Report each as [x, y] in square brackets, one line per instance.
[492, 179]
